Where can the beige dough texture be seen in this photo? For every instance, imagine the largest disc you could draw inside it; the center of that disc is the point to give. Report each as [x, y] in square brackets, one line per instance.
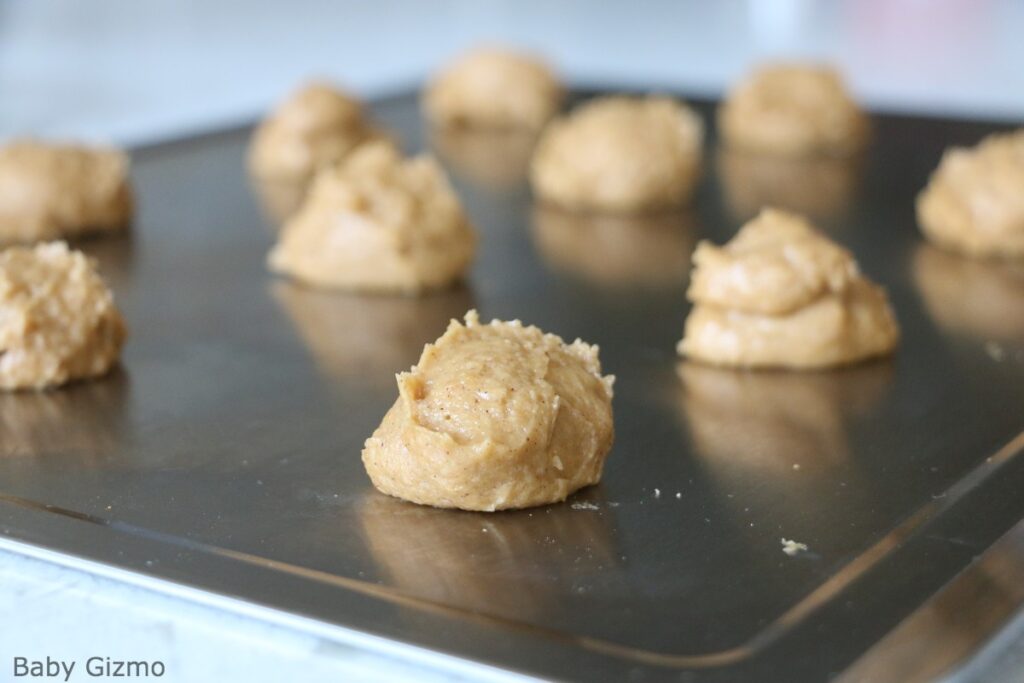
[48, 191]
[974, 202]
[780, 294]
[58, 321]
[316, 127]
[493, 417]
[620, 154]
[378, 222]
[793, 110]
[493, 88]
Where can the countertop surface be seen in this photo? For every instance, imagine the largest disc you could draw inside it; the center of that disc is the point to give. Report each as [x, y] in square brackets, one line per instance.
[137, 72]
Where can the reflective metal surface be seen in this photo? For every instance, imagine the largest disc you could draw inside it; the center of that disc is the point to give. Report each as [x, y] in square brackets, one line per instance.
[225, 453]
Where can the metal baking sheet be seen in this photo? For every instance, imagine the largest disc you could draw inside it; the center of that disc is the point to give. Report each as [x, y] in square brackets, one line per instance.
[224, 455]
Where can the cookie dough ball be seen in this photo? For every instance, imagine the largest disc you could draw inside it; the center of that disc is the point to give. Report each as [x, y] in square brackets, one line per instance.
[493, 417]
[493, 88]
[58, 321]
[316, 127]
[620, 154]
[49, 191]
[378, 222]
[793, 110]
[780, 294]
[974, 202]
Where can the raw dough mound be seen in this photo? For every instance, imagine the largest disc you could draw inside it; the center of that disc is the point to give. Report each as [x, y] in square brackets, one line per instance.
[49, 191]
[493, 417]
[974, 202]
[793, 110]
[780, 294]
[378, 222]
[620, 154]
[493, 88]
[58, 321]
[316, 127]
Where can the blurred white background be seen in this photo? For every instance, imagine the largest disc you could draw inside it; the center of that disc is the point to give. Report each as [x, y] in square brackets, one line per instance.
[132, 71]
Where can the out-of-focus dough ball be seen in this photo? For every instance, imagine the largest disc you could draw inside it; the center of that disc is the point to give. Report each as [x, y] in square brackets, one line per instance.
[58, 321]
[48, 191]
[378, 222]
[974, 202]
[619, 154]
[316, 127]
[780, 294]
[493, 88]
[793, 110]
[493, 417]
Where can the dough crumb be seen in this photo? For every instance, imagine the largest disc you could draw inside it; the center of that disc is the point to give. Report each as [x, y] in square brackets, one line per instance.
[781, 294]
[58, 321]
[995, 351]
[378, 222]
[49, 191]
[793, 548]
[485, 413]
[973, 203]
[624, 154]
[493, 88]
[584, 506]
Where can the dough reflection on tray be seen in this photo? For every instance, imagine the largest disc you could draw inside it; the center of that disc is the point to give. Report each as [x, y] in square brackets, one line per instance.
[980, 298]
[650, 250]
[470, 560]
[820, 187]
[768, 422]
[82, 420]
[113, 256]
[369, 338]
[492, 159]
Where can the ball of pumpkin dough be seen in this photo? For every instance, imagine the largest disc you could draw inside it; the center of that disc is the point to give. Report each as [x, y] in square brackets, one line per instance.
[493, 88]
[378, 222]
[58, 321]
[974, 202]
[493, 417]
[316, 127]
[51, 190]
[619, 154]
[793, 110]
[781, 294]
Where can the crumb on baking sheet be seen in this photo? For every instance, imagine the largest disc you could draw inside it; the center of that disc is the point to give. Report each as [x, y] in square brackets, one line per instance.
[792, 548]
[995, 351]
[583, 505]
